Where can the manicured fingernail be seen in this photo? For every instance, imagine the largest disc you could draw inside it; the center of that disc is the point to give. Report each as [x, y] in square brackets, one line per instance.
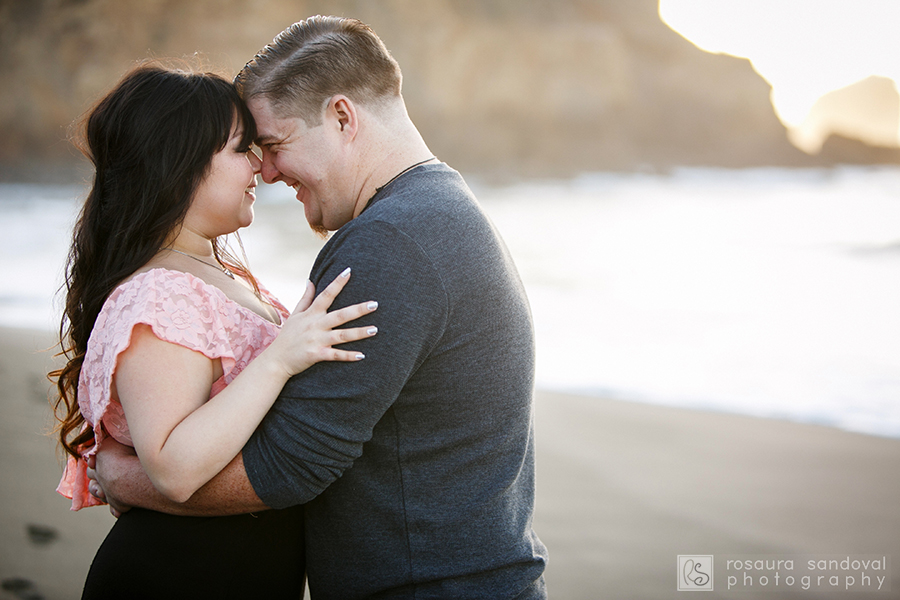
[345, 272]
[372, 305]
[372, 330]
[360, 356]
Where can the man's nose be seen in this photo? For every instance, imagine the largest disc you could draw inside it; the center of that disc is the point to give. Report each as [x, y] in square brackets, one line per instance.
[269, 173]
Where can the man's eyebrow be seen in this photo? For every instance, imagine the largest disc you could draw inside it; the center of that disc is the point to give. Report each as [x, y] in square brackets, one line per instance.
[267, 140]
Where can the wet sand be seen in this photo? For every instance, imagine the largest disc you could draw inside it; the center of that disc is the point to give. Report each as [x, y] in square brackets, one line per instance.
[622, 490]
[45, 549]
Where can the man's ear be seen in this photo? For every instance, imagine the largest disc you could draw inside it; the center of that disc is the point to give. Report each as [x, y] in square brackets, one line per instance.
[343, 114]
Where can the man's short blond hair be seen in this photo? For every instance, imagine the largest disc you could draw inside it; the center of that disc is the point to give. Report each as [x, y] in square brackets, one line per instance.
[315, 59]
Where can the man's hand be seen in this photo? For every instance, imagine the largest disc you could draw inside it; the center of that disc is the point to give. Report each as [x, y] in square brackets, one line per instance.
[117, 477]
[110, 461]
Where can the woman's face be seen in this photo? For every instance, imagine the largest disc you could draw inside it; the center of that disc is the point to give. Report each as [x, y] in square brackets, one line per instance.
[223, 202]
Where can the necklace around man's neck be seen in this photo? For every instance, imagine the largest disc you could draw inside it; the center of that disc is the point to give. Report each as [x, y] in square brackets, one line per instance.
[222, 268]
[409, 168]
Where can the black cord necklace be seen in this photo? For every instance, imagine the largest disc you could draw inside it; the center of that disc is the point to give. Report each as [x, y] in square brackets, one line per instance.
[409, 168]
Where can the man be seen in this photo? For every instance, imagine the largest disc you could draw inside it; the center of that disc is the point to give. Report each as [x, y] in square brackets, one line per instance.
[415, 466]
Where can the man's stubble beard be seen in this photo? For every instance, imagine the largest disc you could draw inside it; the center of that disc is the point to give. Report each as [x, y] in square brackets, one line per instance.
[320, 231]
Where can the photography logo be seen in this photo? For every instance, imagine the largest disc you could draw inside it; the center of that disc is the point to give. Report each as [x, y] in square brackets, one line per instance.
[695, 572]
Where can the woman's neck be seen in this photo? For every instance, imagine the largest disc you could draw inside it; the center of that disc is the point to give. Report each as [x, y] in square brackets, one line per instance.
[191, 242]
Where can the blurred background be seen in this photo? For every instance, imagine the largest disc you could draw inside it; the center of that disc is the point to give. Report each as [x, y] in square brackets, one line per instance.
[701, 195]
[513, 89]
[702, 198]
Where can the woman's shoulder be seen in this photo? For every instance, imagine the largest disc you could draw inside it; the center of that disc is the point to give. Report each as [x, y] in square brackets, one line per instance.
[162, 287]
[167, 300]
[179, 307]
[161, 278]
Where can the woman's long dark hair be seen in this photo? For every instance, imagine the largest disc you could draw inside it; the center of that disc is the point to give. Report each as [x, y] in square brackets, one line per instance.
[151, 141]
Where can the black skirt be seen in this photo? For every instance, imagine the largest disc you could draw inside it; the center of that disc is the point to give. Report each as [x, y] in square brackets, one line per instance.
[151, 555]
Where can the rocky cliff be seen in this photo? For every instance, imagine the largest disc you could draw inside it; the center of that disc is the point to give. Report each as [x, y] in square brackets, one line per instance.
[868, 110]
[498, 87]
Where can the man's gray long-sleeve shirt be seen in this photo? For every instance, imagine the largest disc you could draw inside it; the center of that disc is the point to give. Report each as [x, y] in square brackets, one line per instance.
[416, 464]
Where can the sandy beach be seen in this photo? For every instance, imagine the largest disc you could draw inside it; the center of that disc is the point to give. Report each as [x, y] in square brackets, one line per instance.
[623, 490]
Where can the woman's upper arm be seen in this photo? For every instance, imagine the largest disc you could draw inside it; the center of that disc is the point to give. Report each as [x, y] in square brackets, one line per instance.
[158, 384]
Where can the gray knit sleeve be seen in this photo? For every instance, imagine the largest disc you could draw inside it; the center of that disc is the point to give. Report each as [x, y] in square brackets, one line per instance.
[318, 425]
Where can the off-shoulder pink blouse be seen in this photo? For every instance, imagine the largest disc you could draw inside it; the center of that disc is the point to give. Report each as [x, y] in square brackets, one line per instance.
[179, 308]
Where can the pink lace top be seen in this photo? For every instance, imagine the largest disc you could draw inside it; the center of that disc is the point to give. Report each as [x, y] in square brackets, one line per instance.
[180, 308]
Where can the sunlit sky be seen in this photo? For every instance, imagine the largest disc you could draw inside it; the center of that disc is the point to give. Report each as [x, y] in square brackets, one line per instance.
[804, 48]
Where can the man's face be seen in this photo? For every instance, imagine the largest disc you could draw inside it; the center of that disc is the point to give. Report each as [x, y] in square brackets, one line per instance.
[308, 159]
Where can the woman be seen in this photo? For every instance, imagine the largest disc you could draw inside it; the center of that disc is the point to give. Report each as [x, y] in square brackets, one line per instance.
[160, 329]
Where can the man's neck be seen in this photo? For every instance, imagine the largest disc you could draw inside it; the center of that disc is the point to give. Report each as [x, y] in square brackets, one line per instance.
[396, 147]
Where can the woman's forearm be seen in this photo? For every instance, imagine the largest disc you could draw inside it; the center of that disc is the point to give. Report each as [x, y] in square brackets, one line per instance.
[182, 437]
